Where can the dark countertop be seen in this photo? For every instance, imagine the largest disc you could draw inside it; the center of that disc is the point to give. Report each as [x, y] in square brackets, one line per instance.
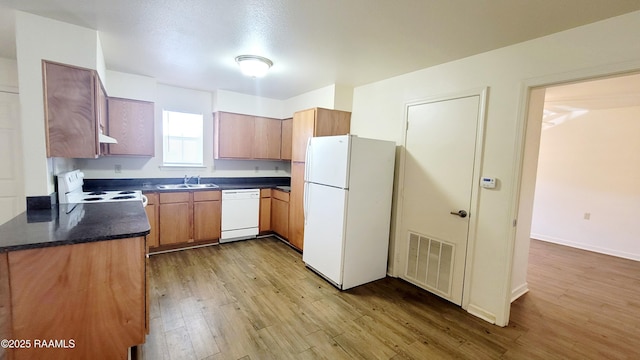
[151, 184]
[68, 224]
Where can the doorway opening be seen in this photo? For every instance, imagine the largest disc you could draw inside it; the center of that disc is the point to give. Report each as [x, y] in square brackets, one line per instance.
[580, 170]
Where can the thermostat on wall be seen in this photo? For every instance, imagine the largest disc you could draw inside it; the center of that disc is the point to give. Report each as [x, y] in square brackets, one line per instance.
[488, 182]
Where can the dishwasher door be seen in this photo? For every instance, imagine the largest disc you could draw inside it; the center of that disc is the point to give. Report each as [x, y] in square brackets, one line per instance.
[240, 214]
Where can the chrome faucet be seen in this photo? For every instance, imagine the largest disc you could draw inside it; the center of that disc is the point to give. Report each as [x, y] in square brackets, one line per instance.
[198, 179]
[186, 179]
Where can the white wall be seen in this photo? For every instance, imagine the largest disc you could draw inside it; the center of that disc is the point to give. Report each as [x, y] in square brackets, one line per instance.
[591, 164]
[40, 38]
[8, 75]
[230, 101]
[378, 110]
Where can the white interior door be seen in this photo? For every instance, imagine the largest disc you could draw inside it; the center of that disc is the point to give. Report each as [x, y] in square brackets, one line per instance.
[438, 183]
[12, 200]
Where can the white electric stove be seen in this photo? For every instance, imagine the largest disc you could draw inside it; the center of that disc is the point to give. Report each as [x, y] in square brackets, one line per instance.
[70, 191]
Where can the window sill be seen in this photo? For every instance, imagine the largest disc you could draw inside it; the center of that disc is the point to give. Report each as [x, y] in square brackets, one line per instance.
[180, 167]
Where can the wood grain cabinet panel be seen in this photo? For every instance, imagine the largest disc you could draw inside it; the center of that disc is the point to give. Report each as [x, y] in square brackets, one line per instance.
[206, 215]
[296, 210]
[234, 134]
[5, 304]
[175, 222]
[93, 293]
[152, 216]
[267, 138]
[264, 224]
[280, 213]
[70, 111]
[131, 122]
[285, 145]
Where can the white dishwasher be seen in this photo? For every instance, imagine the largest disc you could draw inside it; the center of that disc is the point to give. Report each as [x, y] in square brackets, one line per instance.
[240, 214]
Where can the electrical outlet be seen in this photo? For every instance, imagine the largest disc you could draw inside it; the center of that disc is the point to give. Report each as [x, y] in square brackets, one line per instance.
[277, 168]
[118, 169]
[587, 216]
[257, 168]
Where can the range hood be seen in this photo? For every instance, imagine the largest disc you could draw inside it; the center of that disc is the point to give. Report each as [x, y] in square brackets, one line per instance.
[104, 139]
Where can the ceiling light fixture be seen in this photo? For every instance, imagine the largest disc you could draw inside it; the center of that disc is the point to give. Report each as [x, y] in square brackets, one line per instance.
[253, 65]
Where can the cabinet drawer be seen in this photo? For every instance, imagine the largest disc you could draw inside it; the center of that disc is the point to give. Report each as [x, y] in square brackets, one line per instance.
[176, 197]
[152, 198]
[280, 195]
[265, 193]
[206, 195]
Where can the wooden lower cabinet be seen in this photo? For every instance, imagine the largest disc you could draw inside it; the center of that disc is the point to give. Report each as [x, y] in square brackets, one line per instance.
[152, 216]
[265, 211]
[206, 215]
[280, 217]
[175, 223]
[93, 294]
[188, 216]
[296, 206]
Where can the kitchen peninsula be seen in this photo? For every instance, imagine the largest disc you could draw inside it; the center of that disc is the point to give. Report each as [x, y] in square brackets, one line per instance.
[74, 274]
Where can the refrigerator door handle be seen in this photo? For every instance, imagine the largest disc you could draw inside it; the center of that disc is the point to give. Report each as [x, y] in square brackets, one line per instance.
[307, 160]
[304, 201]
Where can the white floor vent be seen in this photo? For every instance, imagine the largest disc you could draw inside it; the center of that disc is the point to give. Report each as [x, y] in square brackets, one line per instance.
[430, 263]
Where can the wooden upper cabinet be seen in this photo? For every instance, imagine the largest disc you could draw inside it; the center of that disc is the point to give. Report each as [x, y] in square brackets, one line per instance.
[316, 122]
[234, 135]
[71, 114]
[267, 138]
[285, 144]
[131, 122]
[239, 136]
[302, 130]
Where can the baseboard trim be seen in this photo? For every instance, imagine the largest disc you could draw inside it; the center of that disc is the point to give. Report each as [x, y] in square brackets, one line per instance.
[481, 313]
[581, 246]
[519, 291]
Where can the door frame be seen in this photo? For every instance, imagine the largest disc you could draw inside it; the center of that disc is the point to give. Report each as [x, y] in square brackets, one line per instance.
[522, 121]
[400, 247]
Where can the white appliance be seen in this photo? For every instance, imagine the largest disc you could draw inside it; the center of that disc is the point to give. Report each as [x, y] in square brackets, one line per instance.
[240, 214]
[70, 191]
[347, 208]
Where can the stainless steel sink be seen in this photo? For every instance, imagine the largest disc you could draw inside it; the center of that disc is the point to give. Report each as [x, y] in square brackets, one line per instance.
[187, 186]
[202, 186]
[172, 186]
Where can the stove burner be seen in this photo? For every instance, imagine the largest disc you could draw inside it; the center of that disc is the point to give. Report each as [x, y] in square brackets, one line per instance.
[92, 199]
[126, 192]
[123, 197]
[97, 193]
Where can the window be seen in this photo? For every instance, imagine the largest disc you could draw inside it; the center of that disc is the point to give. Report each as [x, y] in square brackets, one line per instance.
[182, 139]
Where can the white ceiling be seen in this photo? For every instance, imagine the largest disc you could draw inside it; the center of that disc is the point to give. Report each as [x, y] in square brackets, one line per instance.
[313, 43]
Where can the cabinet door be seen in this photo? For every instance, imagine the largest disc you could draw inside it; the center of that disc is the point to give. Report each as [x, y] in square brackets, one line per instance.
[234, 134]
[70, 111]
[152, 215]
[285, 145]
[265, 214]
[101, 111]
[206, 220]
[302, 130]
[280, 217]
[174, 223]
[131, 123]
[267, 138]
[296, 203]
[332, 122]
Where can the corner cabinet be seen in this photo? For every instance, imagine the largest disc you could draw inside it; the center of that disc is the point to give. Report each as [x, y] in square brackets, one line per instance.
[131, 122]
[72, 109]
[239, 136]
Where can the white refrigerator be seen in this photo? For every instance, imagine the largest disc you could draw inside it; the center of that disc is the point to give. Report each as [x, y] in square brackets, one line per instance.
[347, 208]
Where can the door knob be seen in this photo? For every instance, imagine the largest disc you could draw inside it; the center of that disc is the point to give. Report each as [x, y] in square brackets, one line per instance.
[460, 213]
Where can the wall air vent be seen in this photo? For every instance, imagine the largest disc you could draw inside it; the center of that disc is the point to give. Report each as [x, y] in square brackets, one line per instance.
[430, 263]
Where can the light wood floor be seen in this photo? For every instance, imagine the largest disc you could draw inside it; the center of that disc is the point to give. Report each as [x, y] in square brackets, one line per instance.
[256, 300]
